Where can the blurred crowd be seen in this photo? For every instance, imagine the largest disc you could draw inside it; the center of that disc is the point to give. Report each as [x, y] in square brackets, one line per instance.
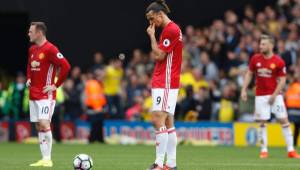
[215, 58]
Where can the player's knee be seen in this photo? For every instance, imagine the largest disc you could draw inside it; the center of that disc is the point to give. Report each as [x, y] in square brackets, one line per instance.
[154, 121]
[158, 120]
[261, 122]
[284, 121]
[262, 125]
[169, 122]
[44, 125]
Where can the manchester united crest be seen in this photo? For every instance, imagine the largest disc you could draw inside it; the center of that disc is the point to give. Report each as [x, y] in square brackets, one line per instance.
[41, 56]
[272, 66]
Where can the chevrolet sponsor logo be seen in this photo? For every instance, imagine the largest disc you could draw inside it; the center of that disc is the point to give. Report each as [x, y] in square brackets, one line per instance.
[264, 72]
[35, 69]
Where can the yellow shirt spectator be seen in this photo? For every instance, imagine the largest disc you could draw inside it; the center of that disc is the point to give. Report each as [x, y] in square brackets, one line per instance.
[147, 105]
[186, 79]
[112, 80]
[199, 84]
[226, 113]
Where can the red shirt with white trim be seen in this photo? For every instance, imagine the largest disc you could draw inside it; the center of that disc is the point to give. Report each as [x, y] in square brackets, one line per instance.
[43, 64]
[267, 71]
[167, 71]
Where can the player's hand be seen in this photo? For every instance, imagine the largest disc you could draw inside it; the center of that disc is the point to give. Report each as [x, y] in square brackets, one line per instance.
[272, 100]
[28, 82]
[151, 30]
[244, 95]
[49, 88]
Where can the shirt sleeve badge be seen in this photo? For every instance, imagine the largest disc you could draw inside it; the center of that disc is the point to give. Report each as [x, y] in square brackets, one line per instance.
[166, 42]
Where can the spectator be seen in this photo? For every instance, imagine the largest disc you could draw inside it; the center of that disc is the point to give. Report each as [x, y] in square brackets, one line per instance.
[16, 106]
[112, 87]
[147, 105]
[188, 104]
[286, 55]
[134, 113]
[94, 102]
[237, 73]
[137, 62]
[72, 103]
[245, 109]
[249, 13]
[3, 98]
[293, 103]
[231, 62]
[231, 37]
[199, 80]
[203, 104]
[217, 55]
[295, 11]
[209, 69]
[133, 89]
[272, 24]
[76, 78]
[231, 18]
[98, 61]
[227, 106]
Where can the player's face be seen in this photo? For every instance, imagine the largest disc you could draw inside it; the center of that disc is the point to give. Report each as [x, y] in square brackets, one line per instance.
[155, 18]
[265, 46]
[33, 34]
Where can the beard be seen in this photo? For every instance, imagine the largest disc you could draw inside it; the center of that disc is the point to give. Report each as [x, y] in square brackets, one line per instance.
[265, 52]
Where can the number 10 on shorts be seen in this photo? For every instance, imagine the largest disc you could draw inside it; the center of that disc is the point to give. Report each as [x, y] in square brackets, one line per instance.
[45, 110]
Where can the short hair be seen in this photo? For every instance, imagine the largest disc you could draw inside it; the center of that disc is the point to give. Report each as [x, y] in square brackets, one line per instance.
[267, 37]
[157, 6]
[41, 26]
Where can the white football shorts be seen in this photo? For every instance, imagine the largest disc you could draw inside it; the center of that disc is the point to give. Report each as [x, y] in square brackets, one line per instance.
[164, 100]
[263, 109]
[41, 109]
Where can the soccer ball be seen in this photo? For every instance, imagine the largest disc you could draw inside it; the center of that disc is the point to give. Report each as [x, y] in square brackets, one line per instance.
[82, 162]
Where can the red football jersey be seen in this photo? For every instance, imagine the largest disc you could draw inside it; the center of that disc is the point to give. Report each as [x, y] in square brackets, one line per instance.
[167, 71]
[266, 71]
[42, 66]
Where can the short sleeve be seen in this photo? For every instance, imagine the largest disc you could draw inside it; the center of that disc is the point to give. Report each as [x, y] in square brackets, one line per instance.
[281, 69]
[252, 64]
[169, 39]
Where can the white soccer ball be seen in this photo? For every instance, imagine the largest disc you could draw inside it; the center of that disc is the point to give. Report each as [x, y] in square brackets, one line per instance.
[82, 162]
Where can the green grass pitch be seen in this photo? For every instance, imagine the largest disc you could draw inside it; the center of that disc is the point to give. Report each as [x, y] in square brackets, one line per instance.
[15, 156]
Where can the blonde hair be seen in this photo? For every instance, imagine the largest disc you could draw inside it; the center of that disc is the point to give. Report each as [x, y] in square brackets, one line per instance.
[267, 37]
